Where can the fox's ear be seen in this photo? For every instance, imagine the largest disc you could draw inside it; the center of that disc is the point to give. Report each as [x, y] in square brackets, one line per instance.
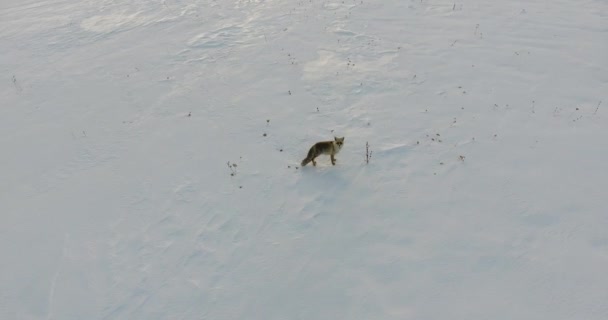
[336, 138]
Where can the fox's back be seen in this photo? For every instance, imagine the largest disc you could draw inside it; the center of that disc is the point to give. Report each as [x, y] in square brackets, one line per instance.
[325, 147]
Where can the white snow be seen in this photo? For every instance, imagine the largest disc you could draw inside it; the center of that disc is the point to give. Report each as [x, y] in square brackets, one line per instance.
[118, 120]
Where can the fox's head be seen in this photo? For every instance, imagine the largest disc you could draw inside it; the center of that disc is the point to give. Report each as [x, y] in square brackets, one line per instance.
[339, 141]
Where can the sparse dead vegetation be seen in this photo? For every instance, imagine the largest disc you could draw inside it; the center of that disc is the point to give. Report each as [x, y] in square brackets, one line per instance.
[368, 153]
[232, 168]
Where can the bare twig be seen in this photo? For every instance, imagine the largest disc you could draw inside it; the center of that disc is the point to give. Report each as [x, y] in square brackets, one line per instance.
[16, 84]
[598, 106]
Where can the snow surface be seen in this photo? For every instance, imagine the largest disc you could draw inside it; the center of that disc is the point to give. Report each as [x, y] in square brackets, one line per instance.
[118, 120]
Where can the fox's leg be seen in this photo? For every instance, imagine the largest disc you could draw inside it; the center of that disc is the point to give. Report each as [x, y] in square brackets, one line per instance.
[333, 159]
[314, 163]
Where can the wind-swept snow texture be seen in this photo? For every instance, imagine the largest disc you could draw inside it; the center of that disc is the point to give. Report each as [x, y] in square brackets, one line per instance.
[150, 154]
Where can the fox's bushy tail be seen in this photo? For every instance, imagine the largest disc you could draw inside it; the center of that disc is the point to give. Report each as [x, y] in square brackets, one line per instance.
[305, 161]
[309, 157]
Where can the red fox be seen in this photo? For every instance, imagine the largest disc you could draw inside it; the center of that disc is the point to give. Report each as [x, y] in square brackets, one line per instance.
[324, 147]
